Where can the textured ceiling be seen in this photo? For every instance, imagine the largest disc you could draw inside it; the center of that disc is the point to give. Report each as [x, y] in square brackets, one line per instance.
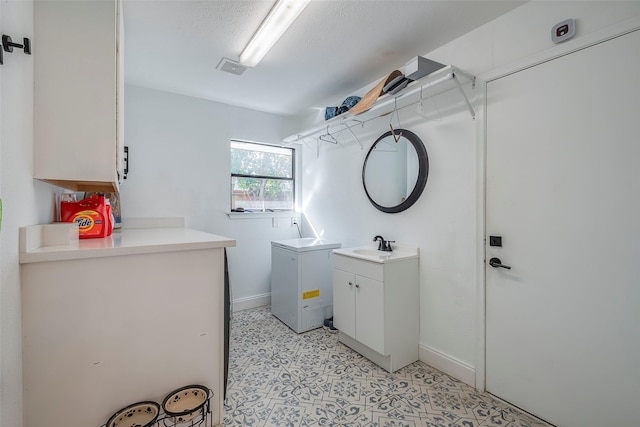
[334, 48]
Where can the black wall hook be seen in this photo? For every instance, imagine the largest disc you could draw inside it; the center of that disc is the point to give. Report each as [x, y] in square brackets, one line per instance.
[8, 45]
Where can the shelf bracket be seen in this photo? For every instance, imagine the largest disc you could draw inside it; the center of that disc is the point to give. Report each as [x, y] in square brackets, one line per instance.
[464, 96]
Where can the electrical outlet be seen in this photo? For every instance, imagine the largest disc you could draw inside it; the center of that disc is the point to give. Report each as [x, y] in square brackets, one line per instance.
[294, 222]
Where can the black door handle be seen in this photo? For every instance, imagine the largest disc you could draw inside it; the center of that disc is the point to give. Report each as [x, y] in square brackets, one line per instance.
[496, 263]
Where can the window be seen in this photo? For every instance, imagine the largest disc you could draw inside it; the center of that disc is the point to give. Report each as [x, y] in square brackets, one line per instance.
[262, 178]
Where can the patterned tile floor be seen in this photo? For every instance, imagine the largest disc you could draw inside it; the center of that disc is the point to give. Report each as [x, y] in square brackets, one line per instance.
[280, 378]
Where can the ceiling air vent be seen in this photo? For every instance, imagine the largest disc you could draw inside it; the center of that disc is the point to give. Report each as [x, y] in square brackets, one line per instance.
[231, 66]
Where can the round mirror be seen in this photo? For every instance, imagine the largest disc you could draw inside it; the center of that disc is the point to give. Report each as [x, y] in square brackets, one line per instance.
[395, 171]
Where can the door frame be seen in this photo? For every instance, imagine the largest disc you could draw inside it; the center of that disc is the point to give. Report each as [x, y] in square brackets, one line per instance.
[608, 33]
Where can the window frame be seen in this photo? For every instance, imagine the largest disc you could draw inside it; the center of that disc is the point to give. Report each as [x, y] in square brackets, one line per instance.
[293, 179]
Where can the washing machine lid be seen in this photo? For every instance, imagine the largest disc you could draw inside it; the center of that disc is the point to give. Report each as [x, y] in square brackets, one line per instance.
[305, 244]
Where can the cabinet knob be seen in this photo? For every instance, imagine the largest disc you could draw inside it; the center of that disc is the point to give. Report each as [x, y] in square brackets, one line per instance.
[350, 284]
[357, 286]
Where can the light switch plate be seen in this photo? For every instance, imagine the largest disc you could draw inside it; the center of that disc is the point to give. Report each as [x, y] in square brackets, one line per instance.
[563, 31]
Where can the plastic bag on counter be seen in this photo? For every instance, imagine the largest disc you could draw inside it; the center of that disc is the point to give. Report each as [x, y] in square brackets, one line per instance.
[92, 214]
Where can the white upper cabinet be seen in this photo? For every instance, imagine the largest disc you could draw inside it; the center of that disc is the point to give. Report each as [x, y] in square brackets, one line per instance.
[78, 94]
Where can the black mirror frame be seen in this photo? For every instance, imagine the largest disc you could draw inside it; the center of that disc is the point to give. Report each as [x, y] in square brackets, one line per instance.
[423, 171]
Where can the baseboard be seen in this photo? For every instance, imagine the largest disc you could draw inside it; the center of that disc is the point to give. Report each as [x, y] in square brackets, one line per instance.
[448, 365]
[251, 302]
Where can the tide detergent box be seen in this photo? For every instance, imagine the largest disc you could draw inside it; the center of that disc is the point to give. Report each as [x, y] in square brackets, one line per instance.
[92, 214]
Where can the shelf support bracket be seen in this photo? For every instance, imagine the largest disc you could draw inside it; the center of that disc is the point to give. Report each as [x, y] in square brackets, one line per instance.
[464, 96]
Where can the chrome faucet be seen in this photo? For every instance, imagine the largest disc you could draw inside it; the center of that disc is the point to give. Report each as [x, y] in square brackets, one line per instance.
[383, 245]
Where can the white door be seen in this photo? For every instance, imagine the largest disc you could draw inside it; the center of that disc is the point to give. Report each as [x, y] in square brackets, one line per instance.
[563, 192]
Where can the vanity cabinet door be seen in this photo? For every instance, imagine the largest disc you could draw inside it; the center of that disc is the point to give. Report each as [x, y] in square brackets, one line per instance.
[370, 313]
[344, 303]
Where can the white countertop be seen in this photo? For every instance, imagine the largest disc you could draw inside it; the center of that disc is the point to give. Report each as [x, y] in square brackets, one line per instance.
[372, 254]
[127, 241]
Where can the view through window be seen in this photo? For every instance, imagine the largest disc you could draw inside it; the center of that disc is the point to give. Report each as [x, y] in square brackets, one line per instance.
[262, 178]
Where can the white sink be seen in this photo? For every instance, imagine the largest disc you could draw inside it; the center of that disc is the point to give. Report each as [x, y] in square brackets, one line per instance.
[370, 253]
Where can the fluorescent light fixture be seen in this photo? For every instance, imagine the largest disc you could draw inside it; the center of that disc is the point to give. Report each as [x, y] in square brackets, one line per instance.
[282, 14]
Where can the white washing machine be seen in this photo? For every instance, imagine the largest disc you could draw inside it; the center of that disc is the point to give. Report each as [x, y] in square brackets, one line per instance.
[302, 282]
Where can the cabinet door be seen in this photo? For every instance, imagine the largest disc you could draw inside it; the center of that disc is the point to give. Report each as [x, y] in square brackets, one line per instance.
[370, 313]
[344, 315]
[75, 94]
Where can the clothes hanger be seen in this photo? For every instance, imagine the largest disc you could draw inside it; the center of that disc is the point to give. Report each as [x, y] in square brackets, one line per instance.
[421, 111]
[328, 137]
[396, 137]
[353, 135]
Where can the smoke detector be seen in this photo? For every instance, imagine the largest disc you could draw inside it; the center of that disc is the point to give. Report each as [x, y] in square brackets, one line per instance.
[231, 66]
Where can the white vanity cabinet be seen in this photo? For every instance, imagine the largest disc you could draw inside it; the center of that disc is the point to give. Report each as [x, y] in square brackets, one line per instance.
[376, 308]
[78, 94]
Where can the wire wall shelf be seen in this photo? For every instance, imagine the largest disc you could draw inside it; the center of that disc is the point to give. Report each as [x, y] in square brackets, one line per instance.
[436, 83]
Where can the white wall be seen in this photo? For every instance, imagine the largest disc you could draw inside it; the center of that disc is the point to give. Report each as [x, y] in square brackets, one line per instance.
[179, 157]
[441, 223]
[446, 223]
[24, 200]
[179, 166]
